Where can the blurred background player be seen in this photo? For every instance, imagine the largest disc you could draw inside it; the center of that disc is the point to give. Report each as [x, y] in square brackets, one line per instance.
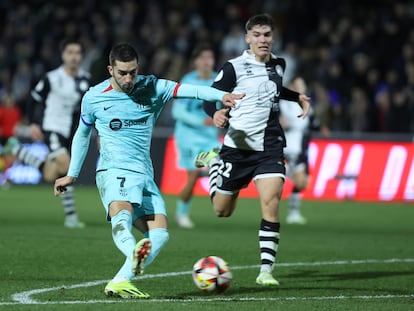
[54, 117]
[194, 130]
[298, 134]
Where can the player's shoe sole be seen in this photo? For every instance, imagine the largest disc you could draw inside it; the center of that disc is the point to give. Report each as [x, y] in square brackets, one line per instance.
[266, 279]
[124, 290]
[204, 158]
[141, 251]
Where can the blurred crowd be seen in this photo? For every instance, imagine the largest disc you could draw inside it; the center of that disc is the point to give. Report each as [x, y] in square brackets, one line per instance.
[357, 56]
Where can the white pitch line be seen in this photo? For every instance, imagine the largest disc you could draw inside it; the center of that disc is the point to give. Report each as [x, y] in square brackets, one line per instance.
[25, 297]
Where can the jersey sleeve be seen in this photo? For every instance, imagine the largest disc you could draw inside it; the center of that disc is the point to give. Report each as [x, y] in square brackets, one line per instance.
[87, 115]
[79, 149]
[39, 95]
[226, 78]
[225, 81]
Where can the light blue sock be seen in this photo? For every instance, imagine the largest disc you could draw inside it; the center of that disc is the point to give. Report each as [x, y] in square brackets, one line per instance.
[183, 208]
[125, 273]
[121, 232]
[158, 238]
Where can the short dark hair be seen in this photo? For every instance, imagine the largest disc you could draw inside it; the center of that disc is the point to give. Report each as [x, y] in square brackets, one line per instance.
[199, 48]
[260, 19]
[123, 52]
[65, 42]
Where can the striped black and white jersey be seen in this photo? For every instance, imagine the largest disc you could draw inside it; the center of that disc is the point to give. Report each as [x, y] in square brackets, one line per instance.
[57, 100]
[254, 122]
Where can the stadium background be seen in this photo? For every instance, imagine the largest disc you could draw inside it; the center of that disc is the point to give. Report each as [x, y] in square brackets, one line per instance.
[357, 56]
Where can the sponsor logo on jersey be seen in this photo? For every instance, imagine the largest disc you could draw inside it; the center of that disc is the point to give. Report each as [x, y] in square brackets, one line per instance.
[117, 124]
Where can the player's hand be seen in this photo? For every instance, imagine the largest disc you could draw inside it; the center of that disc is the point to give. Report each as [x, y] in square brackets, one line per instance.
[61, 184]
[220, 118]
[229, 100]
[35, 132]
[304, 102]
[208, 121]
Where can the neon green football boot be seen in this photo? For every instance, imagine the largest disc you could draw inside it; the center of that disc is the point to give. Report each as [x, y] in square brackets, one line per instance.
[124, 290]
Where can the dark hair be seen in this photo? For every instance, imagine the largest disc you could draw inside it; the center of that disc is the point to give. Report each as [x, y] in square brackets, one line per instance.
[123, 52]
[65, 42]
[260, 19]
[199, 48]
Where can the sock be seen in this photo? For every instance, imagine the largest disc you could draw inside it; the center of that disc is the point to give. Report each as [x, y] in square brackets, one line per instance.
[213, 172]
[183, 208]
[122, 235]
[125, 273]
[158, 238]
[68, 202]
[294, 200]
[269, 243]
[27, 158]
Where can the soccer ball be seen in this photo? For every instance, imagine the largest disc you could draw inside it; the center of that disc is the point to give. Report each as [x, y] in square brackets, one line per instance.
[211, 274]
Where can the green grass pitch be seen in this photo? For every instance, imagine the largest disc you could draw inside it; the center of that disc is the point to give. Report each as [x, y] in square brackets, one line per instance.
[350, 256]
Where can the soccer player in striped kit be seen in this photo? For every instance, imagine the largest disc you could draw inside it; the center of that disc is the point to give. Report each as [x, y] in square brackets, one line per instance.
[254, 142]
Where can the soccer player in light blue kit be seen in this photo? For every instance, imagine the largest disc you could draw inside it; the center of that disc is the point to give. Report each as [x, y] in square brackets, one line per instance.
[194, 130]
[124, 110]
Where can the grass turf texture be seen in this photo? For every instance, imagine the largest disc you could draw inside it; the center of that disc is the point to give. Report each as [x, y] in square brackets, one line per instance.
[323, 265]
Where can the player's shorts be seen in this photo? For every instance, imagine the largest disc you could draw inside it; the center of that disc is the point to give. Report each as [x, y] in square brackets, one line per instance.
[188, 151]
[238, 167]
[138, 189]
[57, 143]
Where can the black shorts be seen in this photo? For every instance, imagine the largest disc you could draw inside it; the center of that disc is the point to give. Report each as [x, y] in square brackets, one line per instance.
[56, 143]
[238, 167]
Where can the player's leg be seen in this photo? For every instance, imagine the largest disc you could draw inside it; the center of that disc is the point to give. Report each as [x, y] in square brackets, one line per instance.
[300, 181]
[151, 219]
[57, 165]
[182, 215]
[155, 229]
[113, 186]
[270, 192]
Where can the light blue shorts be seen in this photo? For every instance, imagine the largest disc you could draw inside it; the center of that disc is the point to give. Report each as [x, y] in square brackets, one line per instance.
[138, 189]
[188, 151]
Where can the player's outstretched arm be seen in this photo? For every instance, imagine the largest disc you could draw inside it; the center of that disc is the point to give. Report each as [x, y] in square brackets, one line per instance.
[62, 183]
[206, 93]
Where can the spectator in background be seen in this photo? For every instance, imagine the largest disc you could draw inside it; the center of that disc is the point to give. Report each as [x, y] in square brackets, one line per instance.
[358, 111]
[10, 116]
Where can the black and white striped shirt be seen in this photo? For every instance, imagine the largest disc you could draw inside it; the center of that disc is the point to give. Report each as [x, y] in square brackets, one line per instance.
[254, 122]
[57, 99]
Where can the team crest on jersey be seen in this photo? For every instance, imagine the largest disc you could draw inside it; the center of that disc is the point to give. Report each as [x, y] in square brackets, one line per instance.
[123, 192]
[279, 70]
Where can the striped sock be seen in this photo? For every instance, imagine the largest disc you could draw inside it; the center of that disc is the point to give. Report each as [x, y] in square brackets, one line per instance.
[269, 243]
[68, 201]
[213, 172]
[27, 158]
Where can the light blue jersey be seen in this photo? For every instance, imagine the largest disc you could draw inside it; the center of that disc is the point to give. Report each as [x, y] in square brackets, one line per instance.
[191, 135]
[125, 122]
